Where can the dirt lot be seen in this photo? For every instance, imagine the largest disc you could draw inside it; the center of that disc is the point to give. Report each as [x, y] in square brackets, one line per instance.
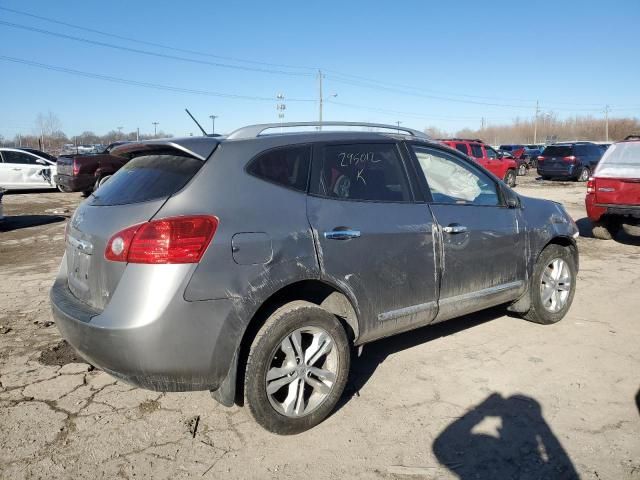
[485, 396]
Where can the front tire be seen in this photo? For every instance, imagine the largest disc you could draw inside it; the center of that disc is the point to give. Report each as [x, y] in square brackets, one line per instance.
[553, 285]
[297, 368]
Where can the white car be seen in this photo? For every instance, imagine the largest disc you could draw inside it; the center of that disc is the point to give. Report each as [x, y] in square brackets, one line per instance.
[21, 169]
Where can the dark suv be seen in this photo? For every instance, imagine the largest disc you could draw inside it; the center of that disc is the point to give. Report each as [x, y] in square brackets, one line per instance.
[251, 264]
[575, 160]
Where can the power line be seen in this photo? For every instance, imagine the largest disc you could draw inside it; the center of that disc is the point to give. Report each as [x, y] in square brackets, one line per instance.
[153, 54]
[144, 84]
[153, 44]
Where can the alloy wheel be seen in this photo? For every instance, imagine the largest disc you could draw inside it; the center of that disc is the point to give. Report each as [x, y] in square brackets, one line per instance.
[555, 285]
[302, 371]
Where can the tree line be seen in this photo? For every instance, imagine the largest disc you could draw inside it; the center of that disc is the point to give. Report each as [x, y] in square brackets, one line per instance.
[548, 129]
[48, 136]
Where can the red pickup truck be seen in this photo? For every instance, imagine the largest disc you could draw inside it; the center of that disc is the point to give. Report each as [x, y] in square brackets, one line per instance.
[86, 172]
[613, 192]
[501, 167]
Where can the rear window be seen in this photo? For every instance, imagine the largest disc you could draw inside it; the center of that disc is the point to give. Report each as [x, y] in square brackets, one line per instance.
[148, 177]
[365, 172]
[558, 151]
[288, 167]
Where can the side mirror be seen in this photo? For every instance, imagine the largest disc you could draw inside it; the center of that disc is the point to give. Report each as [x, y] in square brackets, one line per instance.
[513, 202]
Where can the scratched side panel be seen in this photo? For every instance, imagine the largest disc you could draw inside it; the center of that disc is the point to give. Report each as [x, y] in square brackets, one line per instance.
[389, 270]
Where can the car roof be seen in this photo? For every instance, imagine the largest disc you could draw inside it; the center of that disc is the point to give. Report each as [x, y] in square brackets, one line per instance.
[201, 147]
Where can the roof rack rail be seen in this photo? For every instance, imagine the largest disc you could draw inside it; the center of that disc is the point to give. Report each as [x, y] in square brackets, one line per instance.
[253, 131]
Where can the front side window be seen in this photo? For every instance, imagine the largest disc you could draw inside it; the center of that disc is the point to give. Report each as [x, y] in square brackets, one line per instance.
[452, 181]
[476, 150]
[288, 166]
[365, 172]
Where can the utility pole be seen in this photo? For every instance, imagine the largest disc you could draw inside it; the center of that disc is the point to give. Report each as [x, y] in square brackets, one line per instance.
[213, 123]
[320, 99]
[280, 108]
[119, 132]
[398, 122]
[482, 124]
[155, 129]
[535, 123]
[607, 109]
[138, 134]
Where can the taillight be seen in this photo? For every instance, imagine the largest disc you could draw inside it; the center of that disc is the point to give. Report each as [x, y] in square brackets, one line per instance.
[591, 185]
[569, 159]
[540, 158]
[168, 240]
[76, 167]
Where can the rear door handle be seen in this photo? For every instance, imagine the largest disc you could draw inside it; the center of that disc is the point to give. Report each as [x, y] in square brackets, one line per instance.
[342, 234]
[454, 228]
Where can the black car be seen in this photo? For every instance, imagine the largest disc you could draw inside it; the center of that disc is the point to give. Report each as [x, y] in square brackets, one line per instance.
[573, 160]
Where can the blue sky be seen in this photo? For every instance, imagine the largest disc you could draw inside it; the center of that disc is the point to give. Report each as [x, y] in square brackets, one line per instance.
[463, 61]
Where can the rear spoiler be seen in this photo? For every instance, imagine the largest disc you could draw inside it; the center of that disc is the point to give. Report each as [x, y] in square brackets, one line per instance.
[197, 147]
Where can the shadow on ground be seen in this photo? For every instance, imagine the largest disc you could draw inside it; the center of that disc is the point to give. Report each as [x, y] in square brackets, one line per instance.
[584, 225]
[503, 438]
[16, 222]
[373, 354]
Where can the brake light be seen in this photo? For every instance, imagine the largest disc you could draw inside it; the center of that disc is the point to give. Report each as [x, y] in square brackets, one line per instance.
[569, 159]
[168, 240]
[76, 167]
[540, 158]
[591, 185]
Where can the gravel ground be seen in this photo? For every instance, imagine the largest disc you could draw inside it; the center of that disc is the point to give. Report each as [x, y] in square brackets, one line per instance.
[485, 396]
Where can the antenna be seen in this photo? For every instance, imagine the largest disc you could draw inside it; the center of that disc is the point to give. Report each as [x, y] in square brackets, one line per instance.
[196, 122]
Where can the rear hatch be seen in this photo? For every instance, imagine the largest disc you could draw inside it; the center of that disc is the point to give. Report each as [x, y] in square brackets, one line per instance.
[617, 191]
[554, 156]
[65, 165]
[617, 177]
[132, 196]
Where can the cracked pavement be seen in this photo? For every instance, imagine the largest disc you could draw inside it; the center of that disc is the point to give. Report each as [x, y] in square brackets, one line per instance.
[61, 418]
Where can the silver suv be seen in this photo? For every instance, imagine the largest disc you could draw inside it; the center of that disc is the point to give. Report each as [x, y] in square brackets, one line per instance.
[251, 265]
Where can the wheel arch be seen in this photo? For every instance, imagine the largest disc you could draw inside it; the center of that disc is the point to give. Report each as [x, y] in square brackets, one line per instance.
[321, 293]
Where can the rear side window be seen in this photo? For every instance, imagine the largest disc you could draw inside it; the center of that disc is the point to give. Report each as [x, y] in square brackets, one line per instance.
[558, 151]
[288, 167]
[461, 147]
[372, 172]
[18, 157]
[476, 150]
[148, 177]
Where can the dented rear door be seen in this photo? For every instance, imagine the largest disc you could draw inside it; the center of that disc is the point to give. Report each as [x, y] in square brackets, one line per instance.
[373, 240]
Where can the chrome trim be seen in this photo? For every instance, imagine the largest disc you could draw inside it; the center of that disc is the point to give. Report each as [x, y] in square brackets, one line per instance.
[481, 293]
[342, 234]
[81, 245]
[403, 312]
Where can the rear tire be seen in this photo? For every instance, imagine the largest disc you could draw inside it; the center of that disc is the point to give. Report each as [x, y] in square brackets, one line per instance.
[545, 177]
[510, 178]
[605, 229]
[553, 285]
[101, 181]
[304, 388]
[63, 189]
[584, 175]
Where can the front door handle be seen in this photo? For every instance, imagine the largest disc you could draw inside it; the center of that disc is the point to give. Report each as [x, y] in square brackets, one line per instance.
[454, 228]
[342, 234]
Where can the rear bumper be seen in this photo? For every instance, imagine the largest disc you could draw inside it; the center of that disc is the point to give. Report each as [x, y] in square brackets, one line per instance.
[569, 171]
[596, 210]
[177, 346]
[75, 183]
